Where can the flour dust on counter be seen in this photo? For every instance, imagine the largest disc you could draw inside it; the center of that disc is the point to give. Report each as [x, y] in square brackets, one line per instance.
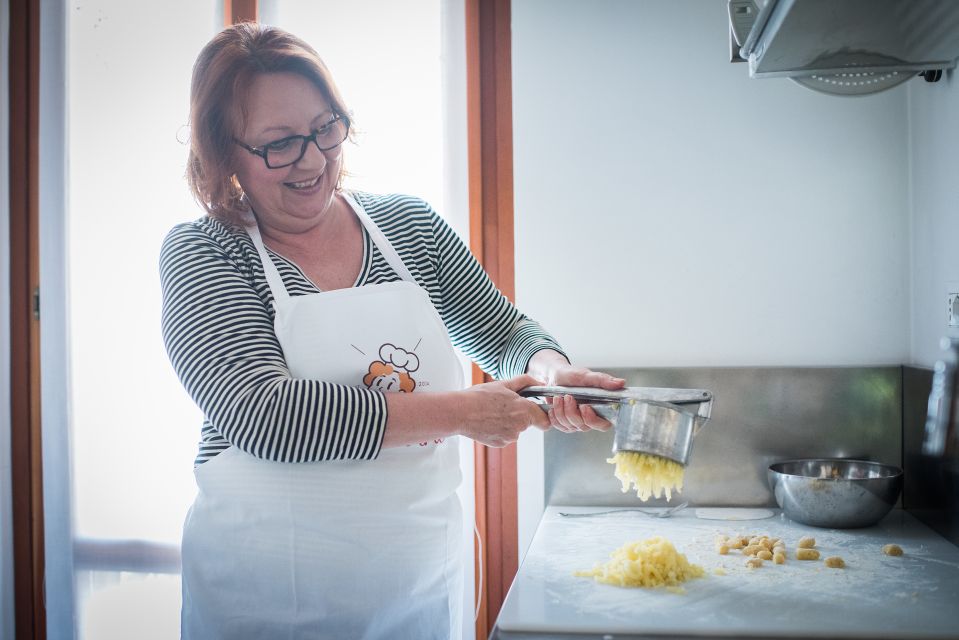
[873, 595]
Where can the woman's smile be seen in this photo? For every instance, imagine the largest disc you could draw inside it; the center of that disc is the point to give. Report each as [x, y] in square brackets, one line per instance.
[305, 187]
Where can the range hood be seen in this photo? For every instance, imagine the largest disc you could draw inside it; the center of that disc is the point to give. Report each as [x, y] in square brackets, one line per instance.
[845, 47]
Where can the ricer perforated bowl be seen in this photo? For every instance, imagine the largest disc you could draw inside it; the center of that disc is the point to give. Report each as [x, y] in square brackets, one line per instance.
[654, 420]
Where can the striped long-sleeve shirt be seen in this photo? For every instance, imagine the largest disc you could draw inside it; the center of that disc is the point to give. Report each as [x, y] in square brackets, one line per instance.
[218, 329]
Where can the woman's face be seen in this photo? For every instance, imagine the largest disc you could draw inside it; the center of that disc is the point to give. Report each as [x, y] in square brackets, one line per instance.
[294, 198]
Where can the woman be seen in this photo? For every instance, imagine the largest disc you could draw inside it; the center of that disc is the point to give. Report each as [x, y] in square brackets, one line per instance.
[327, 469]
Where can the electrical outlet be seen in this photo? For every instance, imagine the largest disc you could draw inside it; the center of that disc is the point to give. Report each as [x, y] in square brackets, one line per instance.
[952, 309]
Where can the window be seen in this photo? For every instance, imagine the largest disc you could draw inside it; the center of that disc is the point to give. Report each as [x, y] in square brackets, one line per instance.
[385, 58]
[133, 430]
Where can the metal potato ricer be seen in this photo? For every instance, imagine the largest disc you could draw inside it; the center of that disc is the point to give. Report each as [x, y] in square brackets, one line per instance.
[652, 420]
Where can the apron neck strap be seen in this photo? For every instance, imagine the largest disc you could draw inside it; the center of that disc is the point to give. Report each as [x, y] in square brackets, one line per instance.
[379, 239]
[278, 289]
[273, 279]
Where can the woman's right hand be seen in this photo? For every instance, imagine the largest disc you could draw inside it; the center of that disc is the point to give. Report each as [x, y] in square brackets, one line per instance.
[495, 414]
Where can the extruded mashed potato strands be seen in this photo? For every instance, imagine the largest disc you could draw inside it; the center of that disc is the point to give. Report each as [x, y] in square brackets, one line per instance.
[650, 475]
[653, 426]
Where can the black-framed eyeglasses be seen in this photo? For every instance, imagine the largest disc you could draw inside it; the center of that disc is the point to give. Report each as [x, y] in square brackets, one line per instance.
[291, 149]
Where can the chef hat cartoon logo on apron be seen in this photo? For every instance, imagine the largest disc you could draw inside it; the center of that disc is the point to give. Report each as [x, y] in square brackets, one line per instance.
[393, 371]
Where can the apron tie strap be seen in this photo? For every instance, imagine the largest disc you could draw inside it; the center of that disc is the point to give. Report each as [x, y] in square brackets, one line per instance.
[277, 288]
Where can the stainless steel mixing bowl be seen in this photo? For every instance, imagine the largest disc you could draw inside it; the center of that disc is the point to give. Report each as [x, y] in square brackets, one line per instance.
[840, 494]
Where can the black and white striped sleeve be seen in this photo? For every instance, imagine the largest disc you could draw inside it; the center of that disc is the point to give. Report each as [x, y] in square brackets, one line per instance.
[219, 336]
[481, 321]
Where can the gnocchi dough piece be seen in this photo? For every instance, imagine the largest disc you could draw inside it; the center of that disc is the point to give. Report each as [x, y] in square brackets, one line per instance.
[780, 558]
[751, 550]
[646, 563]
[722, 549]
[834, 562]
[806, 543]
[737, 542]
[892, 550]
[754, 563]
[804, 553]
[649, 475]
[765, 554]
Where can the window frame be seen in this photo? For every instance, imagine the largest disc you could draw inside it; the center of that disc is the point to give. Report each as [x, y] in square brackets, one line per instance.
[489, 140]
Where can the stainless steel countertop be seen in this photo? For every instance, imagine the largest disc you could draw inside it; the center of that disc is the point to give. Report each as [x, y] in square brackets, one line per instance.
[875, 596]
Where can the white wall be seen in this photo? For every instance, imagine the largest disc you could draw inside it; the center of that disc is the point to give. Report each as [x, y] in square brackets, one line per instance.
[670, 211]
[934, 201]
[6, 514]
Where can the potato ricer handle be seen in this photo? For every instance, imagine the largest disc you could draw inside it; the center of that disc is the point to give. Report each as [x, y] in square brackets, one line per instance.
[601, 401]
[591, 395]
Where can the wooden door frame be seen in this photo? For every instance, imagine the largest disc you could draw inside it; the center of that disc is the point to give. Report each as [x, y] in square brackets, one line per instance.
[490, 157]
[235, 11]
[26, 480]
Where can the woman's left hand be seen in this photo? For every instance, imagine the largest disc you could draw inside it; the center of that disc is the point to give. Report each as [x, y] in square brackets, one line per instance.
[566, 414]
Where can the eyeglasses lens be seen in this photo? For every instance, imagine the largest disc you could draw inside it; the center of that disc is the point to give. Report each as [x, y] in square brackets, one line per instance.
[289, 151]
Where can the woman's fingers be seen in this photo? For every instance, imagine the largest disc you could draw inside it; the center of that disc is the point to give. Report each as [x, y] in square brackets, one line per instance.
[538, 418]
[603, 381]
[496, 415]
[594, 420]
[557, 416]
[573, 415]
[565, 414]
[583, 377]
[520, 382]
[568, 416]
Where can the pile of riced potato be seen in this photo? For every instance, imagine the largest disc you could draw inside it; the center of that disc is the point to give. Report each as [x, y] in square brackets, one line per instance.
[759, 548]
[646, 563]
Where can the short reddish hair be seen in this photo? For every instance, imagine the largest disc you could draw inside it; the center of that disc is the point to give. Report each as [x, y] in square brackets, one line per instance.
[222, 76]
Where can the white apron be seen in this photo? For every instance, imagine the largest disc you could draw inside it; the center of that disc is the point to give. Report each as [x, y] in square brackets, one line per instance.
[341, 549]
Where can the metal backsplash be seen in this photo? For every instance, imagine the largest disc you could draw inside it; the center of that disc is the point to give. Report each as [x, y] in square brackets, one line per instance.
[931, 485]
[760, 416]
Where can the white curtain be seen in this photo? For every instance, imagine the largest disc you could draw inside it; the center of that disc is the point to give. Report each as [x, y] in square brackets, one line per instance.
[119, 432]
[54, 354]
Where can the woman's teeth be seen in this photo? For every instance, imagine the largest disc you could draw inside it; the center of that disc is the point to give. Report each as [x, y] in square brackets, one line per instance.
[306, 184]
